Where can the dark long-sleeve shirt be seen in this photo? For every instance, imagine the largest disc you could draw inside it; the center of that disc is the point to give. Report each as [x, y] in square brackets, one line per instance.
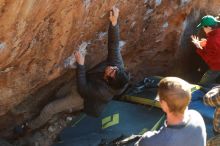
[91, 85]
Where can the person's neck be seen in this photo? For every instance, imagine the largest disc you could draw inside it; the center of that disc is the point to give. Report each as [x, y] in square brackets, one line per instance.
[176, 119]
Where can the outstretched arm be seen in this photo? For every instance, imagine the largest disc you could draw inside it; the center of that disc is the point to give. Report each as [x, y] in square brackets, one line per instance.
[81, 73]
[114, 54]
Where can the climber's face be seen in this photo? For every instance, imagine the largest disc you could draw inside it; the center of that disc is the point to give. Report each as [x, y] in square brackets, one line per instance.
[207, 29]
[110, 71]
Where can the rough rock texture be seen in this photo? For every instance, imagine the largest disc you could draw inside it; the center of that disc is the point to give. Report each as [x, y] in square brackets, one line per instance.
[37, 38]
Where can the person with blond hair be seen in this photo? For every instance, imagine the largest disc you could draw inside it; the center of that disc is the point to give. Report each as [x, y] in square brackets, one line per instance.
[182, 127]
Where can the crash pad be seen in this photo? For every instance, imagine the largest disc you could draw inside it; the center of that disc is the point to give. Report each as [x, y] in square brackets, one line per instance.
[118, 121]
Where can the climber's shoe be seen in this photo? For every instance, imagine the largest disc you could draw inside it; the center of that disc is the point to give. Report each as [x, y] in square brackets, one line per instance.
[21, 130]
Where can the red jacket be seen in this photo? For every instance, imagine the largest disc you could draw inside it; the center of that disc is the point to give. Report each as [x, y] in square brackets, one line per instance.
[211, 52]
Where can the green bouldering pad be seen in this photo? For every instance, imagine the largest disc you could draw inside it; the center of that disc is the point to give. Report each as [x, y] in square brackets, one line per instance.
[118, 121]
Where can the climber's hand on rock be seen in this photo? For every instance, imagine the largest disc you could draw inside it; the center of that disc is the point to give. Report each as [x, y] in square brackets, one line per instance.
[114, 13]
[196, 42]
[80, 59]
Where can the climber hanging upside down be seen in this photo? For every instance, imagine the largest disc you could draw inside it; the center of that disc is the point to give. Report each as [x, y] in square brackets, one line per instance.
[96, 87]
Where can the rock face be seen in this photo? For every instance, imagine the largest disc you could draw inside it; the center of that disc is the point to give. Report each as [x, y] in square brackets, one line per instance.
[37, 38]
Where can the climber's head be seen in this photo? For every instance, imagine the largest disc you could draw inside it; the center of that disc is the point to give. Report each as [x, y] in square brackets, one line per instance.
[116, 77]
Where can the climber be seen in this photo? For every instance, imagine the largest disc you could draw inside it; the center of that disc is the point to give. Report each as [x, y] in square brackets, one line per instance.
[96, 87]
[109, 78]
[209, 49]
[182, 127]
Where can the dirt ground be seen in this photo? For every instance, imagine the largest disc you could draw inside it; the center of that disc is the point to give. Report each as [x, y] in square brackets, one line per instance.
[48, 134]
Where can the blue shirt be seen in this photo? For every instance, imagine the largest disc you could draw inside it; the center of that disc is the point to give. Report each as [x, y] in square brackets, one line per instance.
[190, 133]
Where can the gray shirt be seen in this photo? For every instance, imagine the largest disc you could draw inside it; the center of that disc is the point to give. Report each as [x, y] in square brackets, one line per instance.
[190, 133]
